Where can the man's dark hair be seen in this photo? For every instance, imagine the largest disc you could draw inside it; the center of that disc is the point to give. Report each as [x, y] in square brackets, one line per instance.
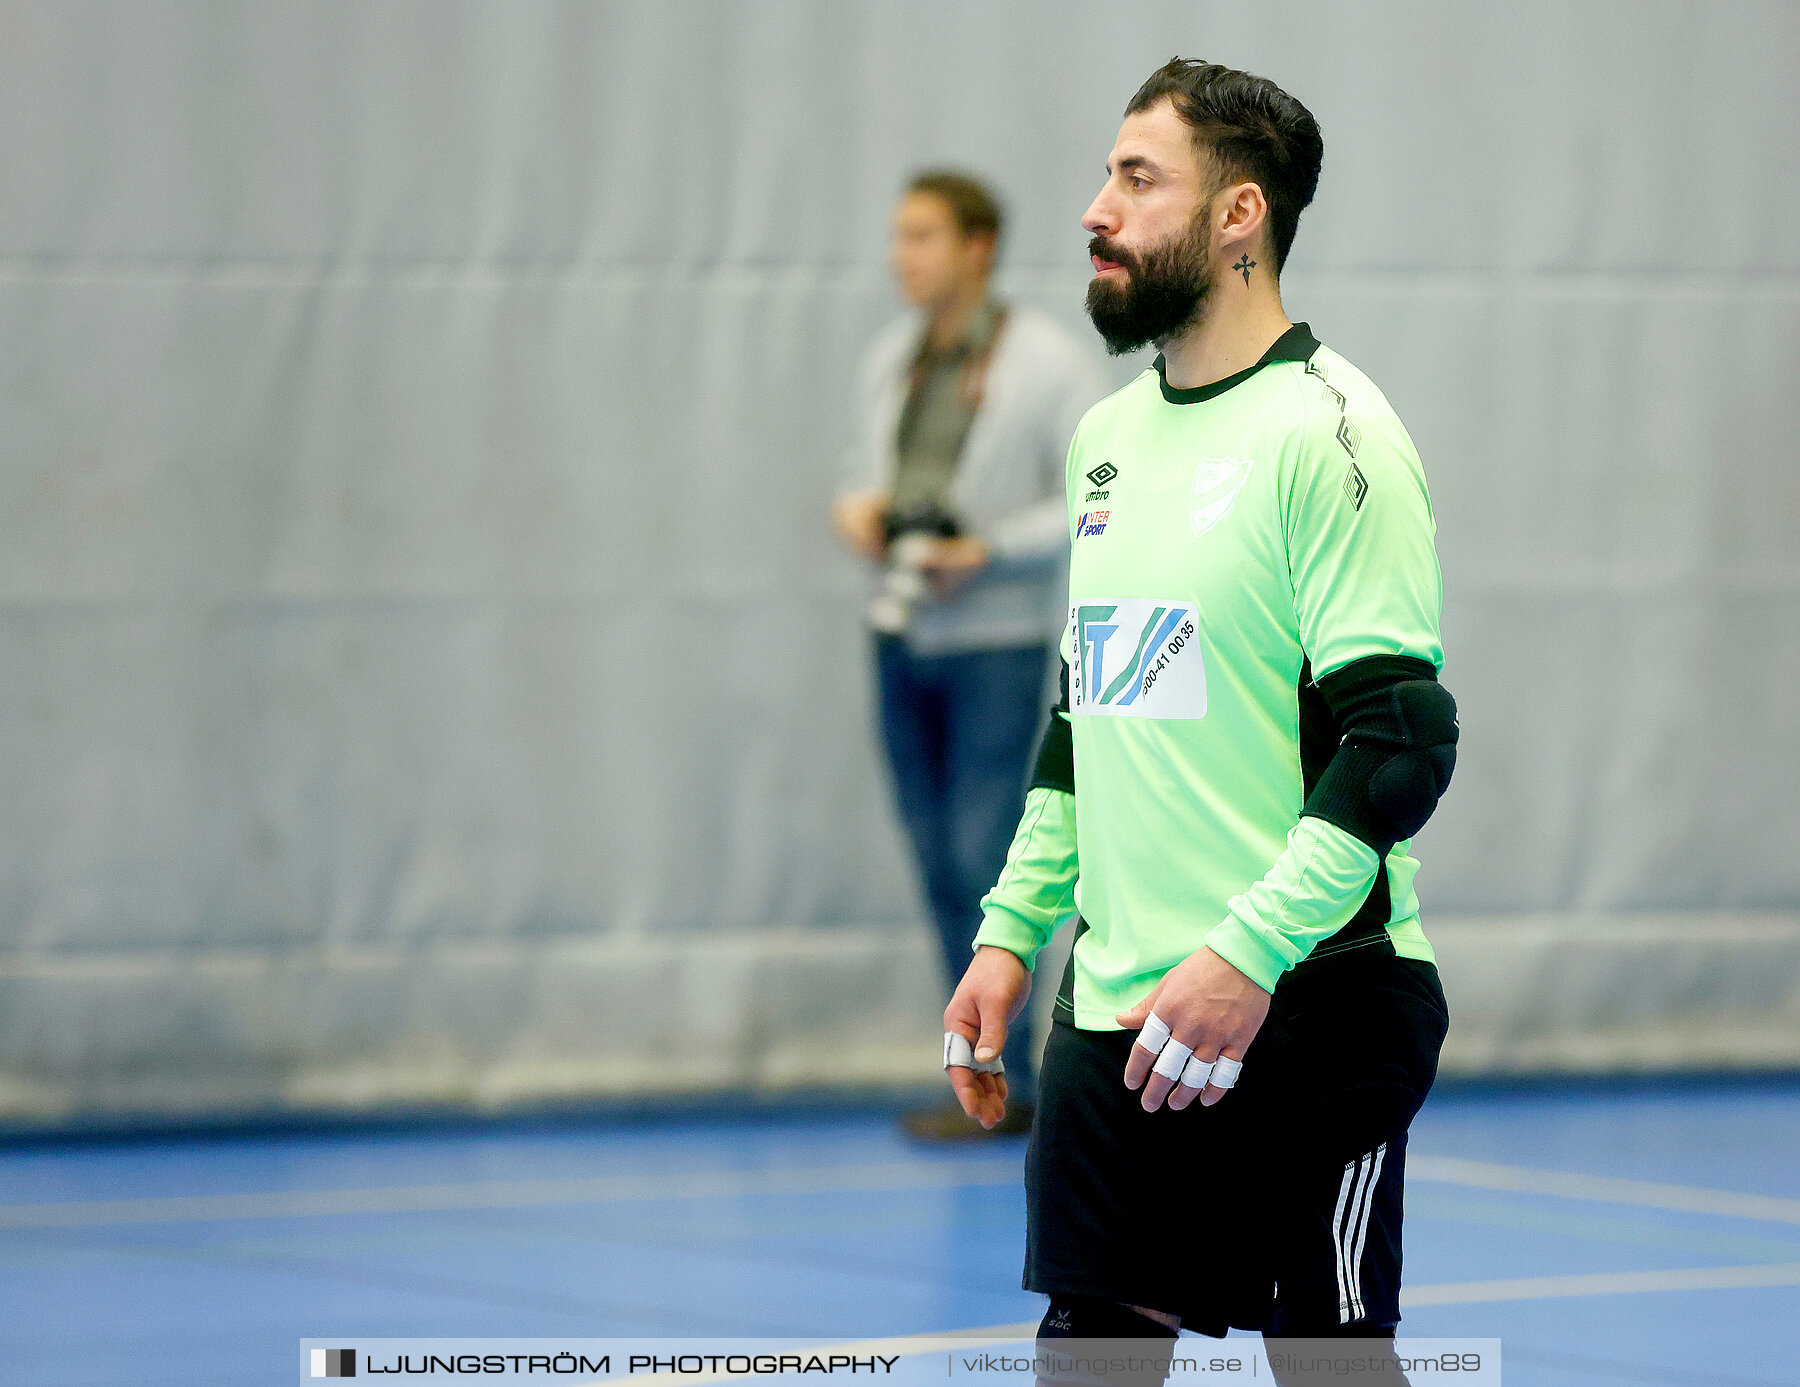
[1253, 129]
[974, 208]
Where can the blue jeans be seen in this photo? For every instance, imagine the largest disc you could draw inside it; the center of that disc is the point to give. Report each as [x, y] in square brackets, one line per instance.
[960, 729]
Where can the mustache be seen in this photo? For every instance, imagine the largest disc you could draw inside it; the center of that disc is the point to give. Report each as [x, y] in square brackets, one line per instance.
[1109, 250]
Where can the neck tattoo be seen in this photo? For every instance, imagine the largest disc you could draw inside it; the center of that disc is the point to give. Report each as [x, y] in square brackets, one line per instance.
[1244, 266]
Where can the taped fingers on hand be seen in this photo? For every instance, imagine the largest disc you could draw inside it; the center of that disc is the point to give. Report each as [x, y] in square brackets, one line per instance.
[979, 1085]
[1205, 1076]
[1171, 1059]
[1183, 1074]
[1224, 1074]
[1154, 1034]
[959, 1049]
[1151, 1037]
[1157, 1061]
[1195, 1074]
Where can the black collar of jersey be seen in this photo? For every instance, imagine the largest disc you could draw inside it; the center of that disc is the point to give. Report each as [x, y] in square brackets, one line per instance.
[1296, 344]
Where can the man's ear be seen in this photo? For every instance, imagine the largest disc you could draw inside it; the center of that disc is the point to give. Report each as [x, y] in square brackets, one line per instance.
[1240, 214]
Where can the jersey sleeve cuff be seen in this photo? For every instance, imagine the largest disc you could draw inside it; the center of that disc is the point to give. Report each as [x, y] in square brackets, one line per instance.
[1308, 894]
[1245, 950]
[1003, 929]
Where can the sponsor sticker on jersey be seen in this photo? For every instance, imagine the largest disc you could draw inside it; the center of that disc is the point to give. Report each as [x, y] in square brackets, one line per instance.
[1217, 482]
[1091, 523]
[1136, 657]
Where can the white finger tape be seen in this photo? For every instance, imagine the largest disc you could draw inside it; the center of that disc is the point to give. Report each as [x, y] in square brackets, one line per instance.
[1169, 1063]
[958, 1051]
[1155, 1034]
[1196, 1073]
[1225, 1072]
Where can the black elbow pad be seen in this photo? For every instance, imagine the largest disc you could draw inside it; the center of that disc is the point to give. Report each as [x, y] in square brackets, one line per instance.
[1397, 752]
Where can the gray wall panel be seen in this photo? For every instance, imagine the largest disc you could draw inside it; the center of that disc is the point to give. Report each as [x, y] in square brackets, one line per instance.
[425, 674]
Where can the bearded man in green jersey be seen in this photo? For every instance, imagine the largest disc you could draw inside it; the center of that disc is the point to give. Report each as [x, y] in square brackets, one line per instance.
[1251, 732]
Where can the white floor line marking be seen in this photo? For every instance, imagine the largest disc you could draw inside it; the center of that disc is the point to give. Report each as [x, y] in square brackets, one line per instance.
[517, 1194]
[1603, 1283]
[1443, 1293]
[1605, 1189]
[507, 1194]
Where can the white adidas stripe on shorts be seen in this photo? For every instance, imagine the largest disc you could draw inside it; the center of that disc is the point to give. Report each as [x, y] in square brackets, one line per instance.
[1356, 1197]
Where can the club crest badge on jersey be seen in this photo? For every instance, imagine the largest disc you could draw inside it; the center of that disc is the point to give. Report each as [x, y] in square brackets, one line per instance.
[1136, 657]
[1217, 482]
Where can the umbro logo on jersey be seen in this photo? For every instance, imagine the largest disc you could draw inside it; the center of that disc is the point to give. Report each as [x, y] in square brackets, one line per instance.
[1356, 486]
[1350, 436]
[1103, 474]
[1092, 522]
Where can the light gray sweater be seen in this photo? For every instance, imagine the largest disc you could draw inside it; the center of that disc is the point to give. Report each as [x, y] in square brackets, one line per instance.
[1008, 489]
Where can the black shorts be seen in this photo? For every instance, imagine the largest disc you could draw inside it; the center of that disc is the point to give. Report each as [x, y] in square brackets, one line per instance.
[1276, 1209]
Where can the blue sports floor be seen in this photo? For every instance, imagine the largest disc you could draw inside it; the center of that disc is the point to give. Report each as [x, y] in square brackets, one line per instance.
[1607, 1237]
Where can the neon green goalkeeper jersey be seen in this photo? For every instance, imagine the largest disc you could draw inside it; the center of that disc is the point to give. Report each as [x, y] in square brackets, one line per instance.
[1231, 544]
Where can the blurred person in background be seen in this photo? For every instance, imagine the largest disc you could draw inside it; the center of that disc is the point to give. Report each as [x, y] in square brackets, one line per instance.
[953, 494]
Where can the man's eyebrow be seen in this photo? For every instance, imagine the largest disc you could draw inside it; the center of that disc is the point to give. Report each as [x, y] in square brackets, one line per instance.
[1133, 163]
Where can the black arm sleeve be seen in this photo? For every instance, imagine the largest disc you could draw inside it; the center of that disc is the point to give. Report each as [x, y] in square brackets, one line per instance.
[1056, 753]
[1396, 751]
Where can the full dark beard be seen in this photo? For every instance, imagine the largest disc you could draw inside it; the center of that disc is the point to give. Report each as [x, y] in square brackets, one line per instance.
[1166, 292]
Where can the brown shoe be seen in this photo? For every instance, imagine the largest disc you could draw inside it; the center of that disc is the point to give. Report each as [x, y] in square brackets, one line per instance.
[951, 1123]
